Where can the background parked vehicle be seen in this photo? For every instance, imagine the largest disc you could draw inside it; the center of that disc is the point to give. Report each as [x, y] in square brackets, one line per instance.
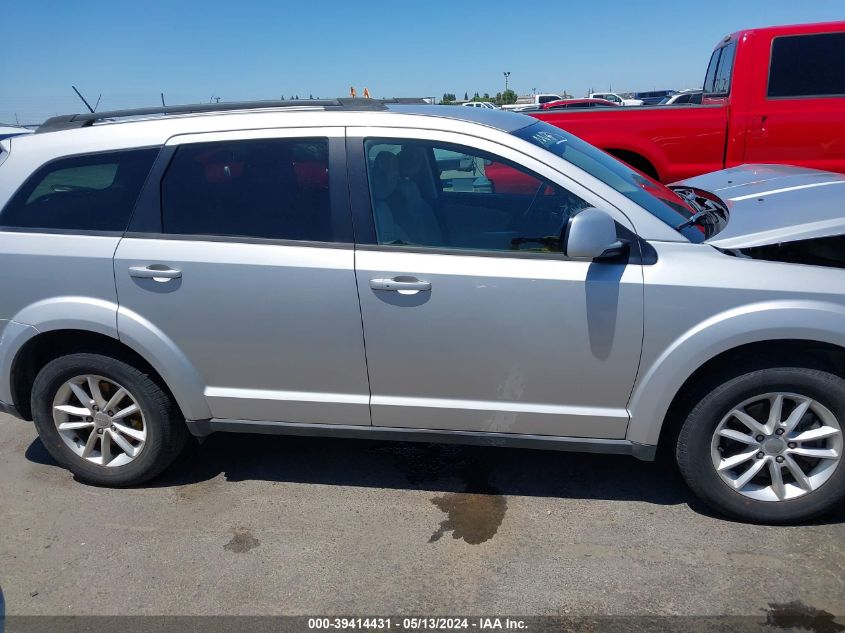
[479, 104]
[565, 104]
[684, 98]
[531, 101]
[653, 97]
[615, 98]
[771, 95]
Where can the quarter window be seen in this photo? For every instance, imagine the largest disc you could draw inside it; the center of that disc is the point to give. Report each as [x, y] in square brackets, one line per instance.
[449, 196]
[94, 192]
[808, 66]
[263, 188]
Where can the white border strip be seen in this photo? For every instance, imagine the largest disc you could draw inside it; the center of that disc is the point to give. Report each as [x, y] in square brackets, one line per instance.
[785, 189]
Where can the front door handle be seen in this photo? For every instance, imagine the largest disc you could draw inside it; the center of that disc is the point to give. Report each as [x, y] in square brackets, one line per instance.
[154, 271]
[400, 284]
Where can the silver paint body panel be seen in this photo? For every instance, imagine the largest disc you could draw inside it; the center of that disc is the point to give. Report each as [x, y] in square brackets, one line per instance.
[282, 334]
[775, 203]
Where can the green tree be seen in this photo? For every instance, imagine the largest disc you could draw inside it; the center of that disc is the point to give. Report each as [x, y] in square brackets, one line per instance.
[448, 98]
[466, 96]
[509, 97]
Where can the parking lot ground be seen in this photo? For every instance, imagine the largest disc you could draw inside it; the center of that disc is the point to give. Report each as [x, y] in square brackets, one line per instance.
[282, 525]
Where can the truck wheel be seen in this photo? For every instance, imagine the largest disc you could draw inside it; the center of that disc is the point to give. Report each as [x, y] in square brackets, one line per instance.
[766, 446]
[106, 421]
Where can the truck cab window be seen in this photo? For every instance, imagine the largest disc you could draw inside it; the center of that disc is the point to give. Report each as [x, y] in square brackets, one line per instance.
[808, 66]
[722, 83]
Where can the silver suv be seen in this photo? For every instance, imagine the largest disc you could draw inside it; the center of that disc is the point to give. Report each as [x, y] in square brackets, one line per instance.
[380, 269]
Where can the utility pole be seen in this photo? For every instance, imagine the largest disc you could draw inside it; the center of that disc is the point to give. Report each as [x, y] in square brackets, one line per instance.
[507, 74]
[162, 101]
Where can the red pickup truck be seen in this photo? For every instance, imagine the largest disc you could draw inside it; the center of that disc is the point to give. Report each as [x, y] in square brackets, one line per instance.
[771, 95]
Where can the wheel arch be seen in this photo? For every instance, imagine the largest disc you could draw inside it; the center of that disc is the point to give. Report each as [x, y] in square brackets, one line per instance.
[749, 334]
[636, 160]
[737, 360]
[42, 347]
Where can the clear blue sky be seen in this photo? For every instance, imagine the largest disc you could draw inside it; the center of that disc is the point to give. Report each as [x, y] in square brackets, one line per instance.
[193, 50]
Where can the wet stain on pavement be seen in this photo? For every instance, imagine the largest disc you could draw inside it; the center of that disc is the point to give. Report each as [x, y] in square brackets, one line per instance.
[242, 541]
[801, 617]
[471, 516]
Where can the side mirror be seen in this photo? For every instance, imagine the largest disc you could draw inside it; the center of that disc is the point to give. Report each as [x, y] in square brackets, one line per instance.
[591, 235]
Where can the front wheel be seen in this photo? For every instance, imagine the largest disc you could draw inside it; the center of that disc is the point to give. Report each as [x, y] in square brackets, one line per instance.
[106, 421]
[766, 446]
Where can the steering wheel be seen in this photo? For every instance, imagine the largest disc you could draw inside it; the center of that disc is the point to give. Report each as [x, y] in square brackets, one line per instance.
[551, 240]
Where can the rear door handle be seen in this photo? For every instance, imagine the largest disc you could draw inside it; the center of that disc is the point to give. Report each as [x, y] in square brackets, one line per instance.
[399, 284]
[154, 271]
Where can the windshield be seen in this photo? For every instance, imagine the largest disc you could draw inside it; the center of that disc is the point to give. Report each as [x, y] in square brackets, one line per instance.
[651, 195]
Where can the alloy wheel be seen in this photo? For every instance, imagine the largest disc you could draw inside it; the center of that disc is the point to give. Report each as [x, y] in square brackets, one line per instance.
[99, 420]
[777, 446]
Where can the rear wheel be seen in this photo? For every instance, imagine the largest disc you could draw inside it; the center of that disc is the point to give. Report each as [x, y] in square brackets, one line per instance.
[106, 421]
[766, 446]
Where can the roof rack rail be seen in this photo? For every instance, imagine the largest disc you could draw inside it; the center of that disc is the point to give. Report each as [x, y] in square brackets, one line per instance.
[73, 121]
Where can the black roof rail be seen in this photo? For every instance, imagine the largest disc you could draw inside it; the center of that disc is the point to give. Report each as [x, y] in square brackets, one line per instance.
[73, 121]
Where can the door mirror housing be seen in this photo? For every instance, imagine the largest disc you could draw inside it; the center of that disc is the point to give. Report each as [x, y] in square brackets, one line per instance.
[591, 235]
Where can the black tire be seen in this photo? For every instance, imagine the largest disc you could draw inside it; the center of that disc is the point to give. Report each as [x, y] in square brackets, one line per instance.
[166, 428]
[692, 449]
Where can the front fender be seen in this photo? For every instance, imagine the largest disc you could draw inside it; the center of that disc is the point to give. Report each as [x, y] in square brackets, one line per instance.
[754, 323]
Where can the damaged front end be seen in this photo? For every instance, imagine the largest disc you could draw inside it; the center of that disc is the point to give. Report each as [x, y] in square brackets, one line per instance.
[778, 213]
[821, 251]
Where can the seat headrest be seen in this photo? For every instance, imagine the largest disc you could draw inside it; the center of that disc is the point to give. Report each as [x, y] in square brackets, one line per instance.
[385, 174]
[411, 160]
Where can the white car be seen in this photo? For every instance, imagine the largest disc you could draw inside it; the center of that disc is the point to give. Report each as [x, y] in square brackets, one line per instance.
[685, 97]
[531, 102]
[479, 104]
[615, 98]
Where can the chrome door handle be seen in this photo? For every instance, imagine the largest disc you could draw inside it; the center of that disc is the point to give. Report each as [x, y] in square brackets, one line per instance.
[398, 284]
[149, 272]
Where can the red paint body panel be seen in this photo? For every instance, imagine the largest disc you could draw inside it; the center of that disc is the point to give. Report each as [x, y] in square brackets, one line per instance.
[744, 127]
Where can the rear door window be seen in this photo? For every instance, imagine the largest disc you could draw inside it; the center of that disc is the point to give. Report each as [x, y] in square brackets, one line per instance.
[808, 66]
[258, 188]
[94, 192]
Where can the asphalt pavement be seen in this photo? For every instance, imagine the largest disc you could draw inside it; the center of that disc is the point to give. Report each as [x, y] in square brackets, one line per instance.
[282, 525]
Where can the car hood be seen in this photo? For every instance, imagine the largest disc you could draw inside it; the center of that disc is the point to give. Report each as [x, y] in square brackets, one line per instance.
[772, 204]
